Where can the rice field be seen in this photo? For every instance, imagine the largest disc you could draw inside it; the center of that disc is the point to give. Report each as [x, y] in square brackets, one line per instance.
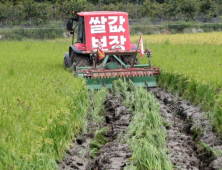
[197, 38]
[42, 106]
[191, 66]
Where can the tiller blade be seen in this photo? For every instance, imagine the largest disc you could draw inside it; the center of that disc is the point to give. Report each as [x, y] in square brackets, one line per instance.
[144, 77]
[140, 75]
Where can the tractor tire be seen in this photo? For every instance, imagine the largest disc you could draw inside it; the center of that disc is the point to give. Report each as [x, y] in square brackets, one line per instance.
[128, 60]
[66, 62]
[80, 60]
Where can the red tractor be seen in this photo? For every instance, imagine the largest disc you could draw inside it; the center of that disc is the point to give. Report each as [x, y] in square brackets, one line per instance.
[111, 30]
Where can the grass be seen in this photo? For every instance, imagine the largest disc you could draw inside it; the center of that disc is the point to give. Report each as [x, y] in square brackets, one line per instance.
[42, 105]
[191, 68]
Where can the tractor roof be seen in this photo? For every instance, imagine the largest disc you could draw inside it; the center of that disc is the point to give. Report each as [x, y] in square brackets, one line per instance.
[82, 14]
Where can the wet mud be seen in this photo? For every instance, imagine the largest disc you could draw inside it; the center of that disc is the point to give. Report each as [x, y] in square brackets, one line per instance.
[191, 141]
[114, 155]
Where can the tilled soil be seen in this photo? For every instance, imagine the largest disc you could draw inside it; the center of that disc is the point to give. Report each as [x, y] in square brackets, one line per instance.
[187, 127]
[113, 155]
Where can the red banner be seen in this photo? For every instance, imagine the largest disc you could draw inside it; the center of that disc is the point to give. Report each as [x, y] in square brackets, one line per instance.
[111, 28]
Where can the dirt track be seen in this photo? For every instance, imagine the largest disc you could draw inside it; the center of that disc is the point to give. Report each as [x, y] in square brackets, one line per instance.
[186, 127]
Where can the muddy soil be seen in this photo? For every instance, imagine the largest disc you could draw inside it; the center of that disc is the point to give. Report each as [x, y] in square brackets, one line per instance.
[112, 155]
[189, 132]
[187, 128]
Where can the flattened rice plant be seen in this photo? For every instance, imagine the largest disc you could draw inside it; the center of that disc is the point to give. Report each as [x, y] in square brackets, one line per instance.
[146, 135]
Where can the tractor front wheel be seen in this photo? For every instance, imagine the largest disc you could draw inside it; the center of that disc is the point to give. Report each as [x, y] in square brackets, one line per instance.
[66, 62]
[79, 59]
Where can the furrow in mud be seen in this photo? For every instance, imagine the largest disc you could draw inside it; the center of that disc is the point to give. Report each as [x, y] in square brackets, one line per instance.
[112, 155]
[191, 141]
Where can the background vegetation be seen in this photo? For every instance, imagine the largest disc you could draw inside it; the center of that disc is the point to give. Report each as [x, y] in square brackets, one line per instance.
[39, 12]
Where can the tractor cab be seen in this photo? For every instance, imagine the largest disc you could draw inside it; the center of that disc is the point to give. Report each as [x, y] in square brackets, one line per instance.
[81, 38]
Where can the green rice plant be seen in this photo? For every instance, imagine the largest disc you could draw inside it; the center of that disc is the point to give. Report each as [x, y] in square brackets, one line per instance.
[100, 137]
[94, 151]
[95, 145]
[206, 149]
[98, 142]
[42, 106]
[119, 88]
[96, 102]
[217, 112]
[191, 90]
[205, 96]
[144, 135]
[96, 117]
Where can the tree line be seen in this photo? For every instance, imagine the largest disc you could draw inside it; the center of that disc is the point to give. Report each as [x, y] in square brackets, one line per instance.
[40, 12]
